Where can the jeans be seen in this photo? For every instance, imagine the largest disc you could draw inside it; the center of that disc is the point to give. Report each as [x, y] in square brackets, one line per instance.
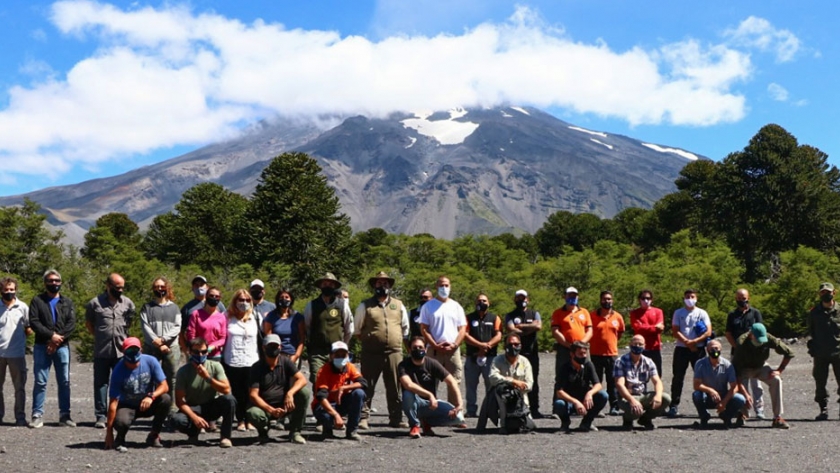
[702, 401]
[261, 420]
[223, 405]
[604, 368]
[682, 358]
[565, 409]
[42, 362]
[471, 374]
[419, 410]
[101, 378]
[17, 369]
[351, 406]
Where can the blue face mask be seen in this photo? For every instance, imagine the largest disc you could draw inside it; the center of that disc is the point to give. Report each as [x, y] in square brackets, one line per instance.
[198, 359]
[132, 355]
[340, 363]
[636, 350]
[571, 301]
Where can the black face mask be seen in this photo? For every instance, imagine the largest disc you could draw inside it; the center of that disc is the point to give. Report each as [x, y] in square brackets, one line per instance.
[481, 307]
[8, 296]
[211, 302]
[284, 303]
[53, 288]
[160, 294]
[381, 291]
[742, 304]
[115, 293]
[272, 351]
[511, 350]
[828, 297]
[418, 353]
[580, 361]
[606, 305]
[714, 353]
[256, 295]
[521, 304]
[327, 292]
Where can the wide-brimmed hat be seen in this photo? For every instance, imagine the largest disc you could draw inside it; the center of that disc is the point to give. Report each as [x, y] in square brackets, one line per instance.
[327, 277]
[381, 275]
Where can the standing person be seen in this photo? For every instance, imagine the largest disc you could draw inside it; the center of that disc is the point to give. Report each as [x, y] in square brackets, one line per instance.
[739, 322]
[607, 328]
[484, 332]
[632, 373]
[210, 323]
[199, 290]
[569, 324]
[527, 323]
[53, 319]
[414, 314]
[14, 327]
[241, 351]
[444, 326]
[824, 345]
[288, 324]
[328, 320]
[579, 390]
[716, 386]
[691, 328]
[339, 391]
[752, 350]
[107, 318]
[649, 322]
[161, 322]
[262, 307]
[137, 389]
[381, 323]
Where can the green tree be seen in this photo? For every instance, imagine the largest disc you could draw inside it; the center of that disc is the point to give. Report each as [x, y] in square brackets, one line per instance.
[27, 247]
[112, 234]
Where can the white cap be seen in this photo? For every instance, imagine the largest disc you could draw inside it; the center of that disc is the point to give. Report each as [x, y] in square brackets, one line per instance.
[572, 289]
[338, 346]
[257, 282]
[521, 292]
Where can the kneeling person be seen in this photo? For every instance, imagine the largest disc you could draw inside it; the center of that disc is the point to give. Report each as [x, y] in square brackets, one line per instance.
[277, 390]
[196, 387]
[579, 389]
[138, 388]
[713, 376]
[632, 373]
[419, 377]
[339, 390]
[515, 371]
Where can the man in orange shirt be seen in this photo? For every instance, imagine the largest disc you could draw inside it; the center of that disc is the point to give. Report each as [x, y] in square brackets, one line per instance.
[607, 327]
[339, 390]
[569, 324]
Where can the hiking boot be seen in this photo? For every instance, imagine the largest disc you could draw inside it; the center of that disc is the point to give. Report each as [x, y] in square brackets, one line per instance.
[363, 424]
[779, 423]
[586, 426]
[673, 412]
[37, 422]
[414, 432]
[153, 440]
[297, 437]
[646, 423]
[225, 443]
[823, 415]
[353, 436]
[536, 414]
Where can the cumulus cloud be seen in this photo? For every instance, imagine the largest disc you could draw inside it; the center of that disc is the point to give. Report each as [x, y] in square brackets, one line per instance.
[760, 34]
[777, 92]
[169, 76]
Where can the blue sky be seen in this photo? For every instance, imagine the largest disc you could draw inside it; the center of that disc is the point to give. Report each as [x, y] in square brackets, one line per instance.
[92, 89]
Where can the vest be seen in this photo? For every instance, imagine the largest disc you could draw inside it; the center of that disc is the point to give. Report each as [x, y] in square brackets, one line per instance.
[481, 330]
[529, 341]
[382, 328]
[327, 326]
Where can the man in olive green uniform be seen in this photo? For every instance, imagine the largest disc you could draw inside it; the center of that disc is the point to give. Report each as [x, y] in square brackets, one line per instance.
[824, 345]
[752, 350]
[327, 319]
[381, 326]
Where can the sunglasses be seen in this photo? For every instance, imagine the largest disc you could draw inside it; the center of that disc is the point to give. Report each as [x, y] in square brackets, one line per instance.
[243, 300]
[159, 288]
[54, 280]
[214, 298]
[645, 299]
[516, 345]
[199, 352]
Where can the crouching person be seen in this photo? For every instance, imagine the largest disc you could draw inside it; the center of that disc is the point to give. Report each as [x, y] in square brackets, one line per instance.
[202, 394]
[716, 386]
[277, 390]
[419, 377]
[339, 390]
[579, 390]
[632, 373]
[138, 389]
[511, 378]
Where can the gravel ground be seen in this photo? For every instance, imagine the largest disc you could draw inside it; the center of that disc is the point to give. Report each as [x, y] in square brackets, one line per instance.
[675, 445]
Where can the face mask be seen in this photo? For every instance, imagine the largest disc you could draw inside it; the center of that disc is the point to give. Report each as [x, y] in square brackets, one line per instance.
[755, 342]
[511, 350]
[211, 302]
[418, 353]
[327, 292]
[580, 361]
[522, 304]
[272, 351]
[690, 302]
[340, 363]
[115, 293]
[200, 291]
[714, 353]
[256, 295]
[571, 301]
[160, 294]
[606, 305]
[481, 307]
[132, 355]
[443, 291]
[243, 306]
[381, 291]
[742, 304]
[198, 359]
[284, 303]
[645, 304]
[636, 350]
[53, 288]
[8, 296]
[827, 297]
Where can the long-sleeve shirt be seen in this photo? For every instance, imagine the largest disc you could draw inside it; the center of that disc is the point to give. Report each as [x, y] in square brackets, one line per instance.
[521, 370]
[749, 356]
[211, 327]
[643, 322]
[160, 321]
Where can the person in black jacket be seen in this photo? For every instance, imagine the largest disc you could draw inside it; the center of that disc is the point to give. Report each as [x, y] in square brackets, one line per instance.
[53, 319]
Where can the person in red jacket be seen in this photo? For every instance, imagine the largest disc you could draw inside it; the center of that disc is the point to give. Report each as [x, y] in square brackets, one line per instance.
[649, 322]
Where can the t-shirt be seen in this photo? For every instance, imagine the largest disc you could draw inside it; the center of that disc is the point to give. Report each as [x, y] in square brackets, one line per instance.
[13, 323]
[739, 322]
[287, 329]
[687, 322]
[427, 375]
[605, 333]
[130, 386]
[572, 323]
[577, 383]
[717, 378]
[273, 383]
[443, 319]
[197, 390]
[263, 309]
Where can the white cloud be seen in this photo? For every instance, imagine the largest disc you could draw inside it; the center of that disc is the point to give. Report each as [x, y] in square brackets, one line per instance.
[168, 76]
[758, 33]
[777, 92]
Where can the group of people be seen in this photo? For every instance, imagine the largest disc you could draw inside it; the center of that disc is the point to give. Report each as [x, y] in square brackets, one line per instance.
[243, 363]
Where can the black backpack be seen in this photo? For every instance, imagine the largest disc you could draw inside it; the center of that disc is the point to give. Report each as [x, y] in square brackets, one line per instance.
[518, 415]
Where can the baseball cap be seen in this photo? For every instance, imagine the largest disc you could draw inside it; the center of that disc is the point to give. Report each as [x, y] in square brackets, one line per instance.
[521, 292]
[272, 338]
[572, 289]
[257, 282]
[199, 277]
[826, 286]
[131, 342]
[759, 331]
[338, 346]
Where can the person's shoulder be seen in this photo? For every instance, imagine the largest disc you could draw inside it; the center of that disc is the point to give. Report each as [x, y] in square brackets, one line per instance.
[95, 302]
[743, 338]
[703, 362]
[184, 370]
[213, 365]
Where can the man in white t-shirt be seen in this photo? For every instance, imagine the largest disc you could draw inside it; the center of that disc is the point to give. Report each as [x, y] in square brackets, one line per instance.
[691, 328]
[444, 326]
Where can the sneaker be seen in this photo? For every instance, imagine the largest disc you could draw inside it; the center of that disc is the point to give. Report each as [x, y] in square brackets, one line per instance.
[37, 422]
[225, 443]
[100, 424]
[414, 432]
[427, 430]
[647, 424]
[241, 427]
[263, 438]
[471, 415]
[779, 423]
[121, 448]
[615, 411]
[587, 427]
[823, 415]
[535, 414]
[363, 424]
[211, 427]
[119, 444]
[327, 434]
[400, 424]
[759, 414]
[153, 440]
[297, 437]
[353, 436]
[66, 422]
[193, 440]
[21, 423]
[673, 412]
[703, 423]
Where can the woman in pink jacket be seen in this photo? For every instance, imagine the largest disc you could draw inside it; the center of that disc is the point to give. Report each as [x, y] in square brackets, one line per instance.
[210, 324]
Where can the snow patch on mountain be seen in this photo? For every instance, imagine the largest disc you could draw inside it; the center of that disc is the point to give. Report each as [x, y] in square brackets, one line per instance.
[601, 143]
[520, 110]
[678, 152]
[413, 140]
[584, 130]
[446, 132]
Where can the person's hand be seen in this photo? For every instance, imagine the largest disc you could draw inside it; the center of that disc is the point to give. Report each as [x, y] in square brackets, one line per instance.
[636, 407]
[202, 372]
[109, 439]
[210, 349]
[749, 399]
[146, 403]
[775, 374]
[158, 342]
[339, 422]
[587, 401]
[720, 407]
[660, 327]
[289, 402]
[51, 348]
[454, 412]
[657, 401]
[433, 403]
[199, 422]
[277, 412]
[715, 397]
[165, 349]
[580, 408]
[520, 385]
[57, 339]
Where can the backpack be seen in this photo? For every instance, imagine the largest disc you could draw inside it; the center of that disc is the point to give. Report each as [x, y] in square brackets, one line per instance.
[517, 414]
